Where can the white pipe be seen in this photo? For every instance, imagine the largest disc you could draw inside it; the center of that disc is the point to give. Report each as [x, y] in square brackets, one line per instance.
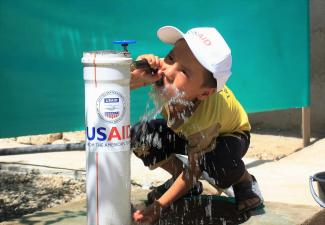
[107, 105]
[43, 149]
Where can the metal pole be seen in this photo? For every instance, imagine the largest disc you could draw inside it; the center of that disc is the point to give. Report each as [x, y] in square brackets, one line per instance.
[305, 128]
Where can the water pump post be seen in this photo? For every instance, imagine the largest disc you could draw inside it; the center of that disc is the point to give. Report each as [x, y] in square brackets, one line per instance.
[107, 121]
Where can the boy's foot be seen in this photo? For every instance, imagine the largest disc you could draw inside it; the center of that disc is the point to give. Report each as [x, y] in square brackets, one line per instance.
[248, 195]
[157, 192]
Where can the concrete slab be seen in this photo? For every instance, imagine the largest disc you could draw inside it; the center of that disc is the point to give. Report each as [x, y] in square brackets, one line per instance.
[70, 163]
[72, 160]
[286, 180]
[75, 214]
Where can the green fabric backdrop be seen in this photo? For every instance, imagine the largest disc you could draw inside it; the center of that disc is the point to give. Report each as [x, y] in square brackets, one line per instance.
[41, 45]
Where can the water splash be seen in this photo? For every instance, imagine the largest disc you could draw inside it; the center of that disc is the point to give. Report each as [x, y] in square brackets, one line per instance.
[208, 209]
[156, 141]
[160, 97]
[174, 98]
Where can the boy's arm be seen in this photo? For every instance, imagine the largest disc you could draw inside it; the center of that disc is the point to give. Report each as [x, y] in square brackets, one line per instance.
[183, 183]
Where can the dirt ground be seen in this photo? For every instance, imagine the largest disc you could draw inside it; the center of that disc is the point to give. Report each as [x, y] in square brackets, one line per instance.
[273, 146]
[317, 219]
[23, 193]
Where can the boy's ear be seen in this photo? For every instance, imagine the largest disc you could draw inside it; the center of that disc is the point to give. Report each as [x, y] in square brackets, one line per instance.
[206, 92]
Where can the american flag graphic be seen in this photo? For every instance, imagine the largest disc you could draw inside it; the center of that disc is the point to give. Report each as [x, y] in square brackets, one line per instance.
[112, 115]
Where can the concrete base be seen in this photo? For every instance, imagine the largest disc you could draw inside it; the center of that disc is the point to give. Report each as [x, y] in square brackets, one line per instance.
[76, 214]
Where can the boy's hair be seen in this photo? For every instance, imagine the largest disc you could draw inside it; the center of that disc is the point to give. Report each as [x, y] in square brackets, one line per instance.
[208, 80]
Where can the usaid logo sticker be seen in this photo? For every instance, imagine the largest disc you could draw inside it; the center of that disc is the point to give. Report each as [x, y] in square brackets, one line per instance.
[201, 36]
[111, 106]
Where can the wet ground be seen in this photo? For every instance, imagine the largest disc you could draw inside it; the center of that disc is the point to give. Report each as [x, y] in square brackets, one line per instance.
[275, 214]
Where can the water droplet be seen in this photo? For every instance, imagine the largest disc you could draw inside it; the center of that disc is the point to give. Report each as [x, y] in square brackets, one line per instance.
[208, 210]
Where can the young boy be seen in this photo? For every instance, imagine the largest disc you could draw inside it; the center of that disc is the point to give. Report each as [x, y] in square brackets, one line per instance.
[202, 119]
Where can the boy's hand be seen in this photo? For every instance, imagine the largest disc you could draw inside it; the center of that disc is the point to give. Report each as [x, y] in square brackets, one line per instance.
[153, 60]
[142, 77]
[194, 166]
[148, 215]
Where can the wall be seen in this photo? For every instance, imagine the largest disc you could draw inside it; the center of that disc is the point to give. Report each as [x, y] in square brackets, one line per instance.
[291, 119]
[41, 42]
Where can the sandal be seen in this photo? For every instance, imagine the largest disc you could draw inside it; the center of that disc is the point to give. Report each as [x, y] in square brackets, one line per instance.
[248, 190]
[157, 192]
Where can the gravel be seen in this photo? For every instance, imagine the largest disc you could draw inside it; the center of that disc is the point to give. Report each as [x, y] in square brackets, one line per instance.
[24, 193]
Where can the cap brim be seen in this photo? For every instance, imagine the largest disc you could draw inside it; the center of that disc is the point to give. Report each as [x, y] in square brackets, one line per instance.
[169, 34]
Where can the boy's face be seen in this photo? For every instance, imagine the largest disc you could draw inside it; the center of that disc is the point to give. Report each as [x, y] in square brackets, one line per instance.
[183, 75]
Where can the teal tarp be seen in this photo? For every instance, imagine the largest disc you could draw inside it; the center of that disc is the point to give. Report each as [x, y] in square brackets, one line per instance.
[41, 44]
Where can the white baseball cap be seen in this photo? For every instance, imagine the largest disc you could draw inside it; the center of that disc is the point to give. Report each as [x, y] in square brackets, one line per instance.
[207, 45]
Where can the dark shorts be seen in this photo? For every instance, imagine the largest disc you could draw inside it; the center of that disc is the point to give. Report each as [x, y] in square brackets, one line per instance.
[154, 142]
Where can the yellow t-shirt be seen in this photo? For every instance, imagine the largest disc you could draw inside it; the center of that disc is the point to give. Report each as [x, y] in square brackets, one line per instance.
[219, 114]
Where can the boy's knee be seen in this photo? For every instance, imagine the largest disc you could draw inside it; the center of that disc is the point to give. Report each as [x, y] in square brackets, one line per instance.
[142, 133]
[224, 172]
[137, 132]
